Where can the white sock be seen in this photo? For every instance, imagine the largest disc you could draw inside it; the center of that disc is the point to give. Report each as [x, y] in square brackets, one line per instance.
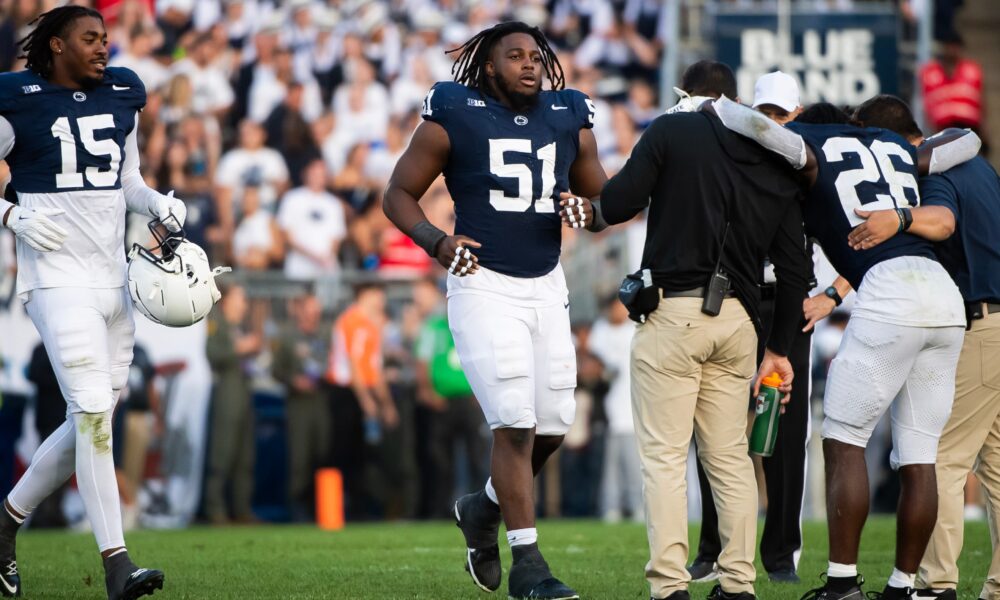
[490, 492]
[902, 580]
[95, 476]
[841, 570]
[522, 537]
[51, 466]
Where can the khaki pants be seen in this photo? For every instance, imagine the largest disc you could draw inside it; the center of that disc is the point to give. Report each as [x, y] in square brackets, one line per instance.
[971, 440]
[138, 430]
[690, 373]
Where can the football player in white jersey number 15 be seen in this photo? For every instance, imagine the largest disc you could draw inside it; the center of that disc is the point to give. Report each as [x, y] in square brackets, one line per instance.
[68, 133]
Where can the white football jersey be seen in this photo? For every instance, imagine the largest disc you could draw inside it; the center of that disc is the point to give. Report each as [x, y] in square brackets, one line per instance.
[71, 150]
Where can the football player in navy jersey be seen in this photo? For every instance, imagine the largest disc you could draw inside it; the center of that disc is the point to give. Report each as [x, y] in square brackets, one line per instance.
[68, 134]
[510, 153]
[900, 350]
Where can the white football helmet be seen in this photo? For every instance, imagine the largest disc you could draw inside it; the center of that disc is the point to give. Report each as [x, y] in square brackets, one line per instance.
[176, 287]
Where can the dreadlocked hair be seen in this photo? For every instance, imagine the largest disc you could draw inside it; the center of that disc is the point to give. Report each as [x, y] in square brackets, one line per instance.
[470, 65]
[54, 23]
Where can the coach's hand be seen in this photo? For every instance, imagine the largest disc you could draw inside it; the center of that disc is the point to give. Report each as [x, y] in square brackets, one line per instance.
[577, 212]
[453, 253]
[34, 226]
[815, 309]
[775, 363]
[879, 226]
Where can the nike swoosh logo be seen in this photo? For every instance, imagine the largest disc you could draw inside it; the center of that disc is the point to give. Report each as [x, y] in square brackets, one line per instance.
[554, 107]
[10, 588]
[566, 305]
[119, 88]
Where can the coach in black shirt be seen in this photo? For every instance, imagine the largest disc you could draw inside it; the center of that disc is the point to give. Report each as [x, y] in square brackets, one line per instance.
[690, 371]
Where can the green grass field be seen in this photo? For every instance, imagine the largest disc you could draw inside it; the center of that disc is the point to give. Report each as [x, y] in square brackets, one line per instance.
[413, 560]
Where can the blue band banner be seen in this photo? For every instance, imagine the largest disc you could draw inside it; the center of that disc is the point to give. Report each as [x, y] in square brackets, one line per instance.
[843, 58]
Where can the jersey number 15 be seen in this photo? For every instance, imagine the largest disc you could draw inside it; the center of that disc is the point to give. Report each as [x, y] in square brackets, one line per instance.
[69, 177]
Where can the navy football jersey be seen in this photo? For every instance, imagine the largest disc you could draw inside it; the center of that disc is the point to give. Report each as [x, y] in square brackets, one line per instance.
[870, 169]
[68, 140]
[506, 170]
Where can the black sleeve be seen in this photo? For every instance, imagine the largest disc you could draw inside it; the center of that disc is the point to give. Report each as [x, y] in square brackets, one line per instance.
[627, 193]
[793, 270]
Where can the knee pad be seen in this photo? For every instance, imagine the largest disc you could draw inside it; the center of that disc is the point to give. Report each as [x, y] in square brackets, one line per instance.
[558, 413]
[512, 406]
[92, 401]
[912, 447]
[846, 433]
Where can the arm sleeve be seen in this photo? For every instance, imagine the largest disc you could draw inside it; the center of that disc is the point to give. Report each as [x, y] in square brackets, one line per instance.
[627, 193]
[793, 270]
[954, 153]
[758, 127]
[139, 197]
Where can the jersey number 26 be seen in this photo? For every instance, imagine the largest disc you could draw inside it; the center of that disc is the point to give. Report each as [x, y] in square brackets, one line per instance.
[876, 166]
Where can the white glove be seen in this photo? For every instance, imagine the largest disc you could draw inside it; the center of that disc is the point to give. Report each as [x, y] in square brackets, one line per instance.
[34, 226]
[168, 205]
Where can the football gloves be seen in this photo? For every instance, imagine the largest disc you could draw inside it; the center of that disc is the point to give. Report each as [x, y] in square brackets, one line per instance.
[34, 226]
[167, 206]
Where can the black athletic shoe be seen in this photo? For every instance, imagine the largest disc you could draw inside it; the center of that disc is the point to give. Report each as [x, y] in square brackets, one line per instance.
[892, 593]
[479, 519]
[784, 576]
[10, 581]
[719, 594]
[703, 570]
[530, 577]
[141, 582]
[829, 593]
[943, 594]
[125, 581]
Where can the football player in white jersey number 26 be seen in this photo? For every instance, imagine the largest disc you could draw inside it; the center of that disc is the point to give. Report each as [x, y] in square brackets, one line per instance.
[68, 133]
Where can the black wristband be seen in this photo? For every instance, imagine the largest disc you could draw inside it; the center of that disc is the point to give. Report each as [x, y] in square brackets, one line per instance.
[907, 217]
[427, 237]
[599, 223]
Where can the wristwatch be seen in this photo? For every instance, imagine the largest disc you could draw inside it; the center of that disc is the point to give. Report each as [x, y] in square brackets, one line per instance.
[832, 293]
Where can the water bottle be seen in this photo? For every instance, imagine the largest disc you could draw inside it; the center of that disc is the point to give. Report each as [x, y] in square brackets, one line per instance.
[765, 424]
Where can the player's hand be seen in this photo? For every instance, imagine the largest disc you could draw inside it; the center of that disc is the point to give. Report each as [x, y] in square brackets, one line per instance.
[167, 206]
[879, 226]
[577, 212]
[775, 363]
[34, 226]
[453, 254]
[815, 309]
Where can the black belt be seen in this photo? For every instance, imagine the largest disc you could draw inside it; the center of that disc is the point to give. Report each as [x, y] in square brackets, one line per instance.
[974, 310]
[698, 292]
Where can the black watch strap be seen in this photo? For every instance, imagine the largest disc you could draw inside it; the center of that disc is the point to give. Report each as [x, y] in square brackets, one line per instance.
[832, 293]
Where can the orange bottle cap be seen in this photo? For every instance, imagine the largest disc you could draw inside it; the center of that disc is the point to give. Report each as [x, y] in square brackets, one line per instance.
[773, 380]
